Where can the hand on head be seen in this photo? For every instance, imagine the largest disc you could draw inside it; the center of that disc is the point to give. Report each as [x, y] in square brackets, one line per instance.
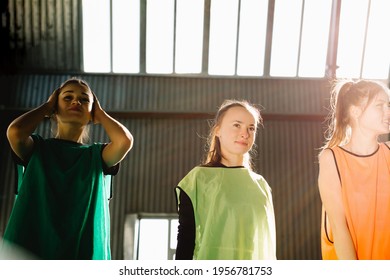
[96, 109]
[52, 102]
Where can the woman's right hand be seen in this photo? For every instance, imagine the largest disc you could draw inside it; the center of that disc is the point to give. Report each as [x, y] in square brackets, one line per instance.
[51, 103]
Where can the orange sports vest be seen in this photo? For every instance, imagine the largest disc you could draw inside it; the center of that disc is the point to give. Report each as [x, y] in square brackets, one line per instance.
[365, 183]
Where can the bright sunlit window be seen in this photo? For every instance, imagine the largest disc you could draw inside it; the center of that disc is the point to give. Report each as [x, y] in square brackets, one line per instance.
[189, 36]
[96, 35]
[153, 246]
[157, 238]
[223, 36]
[351, 38]
[126, 36]
[315, 35]
[159, 36]
[285, 37]
[377, 54]
[173, 37]
[252, 35]
[354, 58]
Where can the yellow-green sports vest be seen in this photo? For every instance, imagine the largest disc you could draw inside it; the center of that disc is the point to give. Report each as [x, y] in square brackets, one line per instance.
[234, 215]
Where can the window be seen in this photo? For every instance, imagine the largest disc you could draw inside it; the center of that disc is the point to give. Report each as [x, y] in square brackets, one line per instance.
[252, 36]
[159, 36]
[290, 38]
[125, 36]
[363, 43]
[96, 36]
[154, 236]
[189, 36]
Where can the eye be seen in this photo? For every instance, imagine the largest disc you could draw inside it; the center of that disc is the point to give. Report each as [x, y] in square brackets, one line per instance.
[237, 125]
[252, 128]
[85, 100]
[67, 97]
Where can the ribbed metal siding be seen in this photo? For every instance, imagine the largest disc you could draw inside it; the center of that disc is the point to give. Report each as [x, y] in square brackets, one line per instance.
[167, 94]
[43, 34]
[166, 148]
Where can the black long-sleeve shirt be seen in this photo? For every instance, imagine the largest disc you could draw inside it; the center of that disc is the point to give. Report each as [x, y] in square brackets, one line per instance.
[186, 230]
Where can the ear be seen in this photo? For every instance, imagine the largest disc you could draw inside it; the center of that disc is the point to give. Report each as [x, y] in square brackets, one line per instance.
[217, 134]
[355, 112]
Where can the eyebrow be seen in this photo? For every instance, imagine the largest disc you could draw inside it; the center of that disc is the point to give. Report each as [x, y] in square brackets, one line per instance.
[72, 91]
[243, 122]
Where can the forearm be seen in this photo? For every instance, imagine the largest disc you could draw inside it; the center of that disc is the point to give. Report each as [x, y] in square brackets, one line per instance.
[19, 131]
[118, 134]
[120, 137]
[26, 124]
[344, 246]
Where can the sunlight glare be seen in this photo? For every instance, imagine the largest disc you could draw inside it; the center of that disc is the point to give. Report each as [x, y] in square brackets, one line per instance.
[96, 35]
[315, 36]
[285, 38]
[126, 35]
[351, 38]
[223, 35]
[252, 35]
[377, 56]
[159, 36]
[189, 36]
[153, 239]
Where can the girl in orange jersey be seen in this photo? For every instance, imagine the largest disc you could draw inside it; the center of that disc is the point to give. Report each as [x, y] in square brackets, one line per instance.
[354, 175]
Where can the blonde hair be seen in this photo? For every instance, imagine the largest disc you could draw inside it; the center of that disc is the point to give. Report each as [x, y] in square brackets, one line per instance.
[214, 154]
[344, 94]
[54, 124]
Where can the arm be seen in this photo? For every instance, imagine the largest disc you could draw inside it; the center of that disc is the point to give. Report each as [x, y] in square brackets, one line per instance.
[331, 196]
[20, 130]
[121, 140]
[186, 230]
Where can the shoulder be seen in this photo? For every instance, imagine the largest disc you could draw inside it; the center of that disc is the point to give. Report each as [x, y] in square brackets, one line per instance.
[326, 157]
[193, 173]
[199, 174]
[328, 169]
[257, 176]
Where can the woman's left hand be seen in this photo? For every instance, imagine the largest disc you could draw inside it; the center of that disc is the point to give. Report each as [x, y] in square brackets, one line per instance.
[96, 110]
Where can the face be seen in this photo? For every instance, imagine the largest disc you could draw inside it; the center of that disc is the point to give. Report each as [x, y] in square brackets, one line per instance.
[376, 116]
[75, 104]
[236, 132]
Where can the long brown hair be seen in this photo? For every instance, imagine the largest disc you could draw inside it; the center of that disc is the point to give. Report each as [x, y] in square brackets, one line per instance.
[344, 94]
[214, 154]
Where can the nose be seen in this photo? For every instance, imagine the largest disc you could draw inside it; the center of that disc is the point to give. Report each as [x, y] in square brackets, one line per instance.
[245, 134]
[76, 101]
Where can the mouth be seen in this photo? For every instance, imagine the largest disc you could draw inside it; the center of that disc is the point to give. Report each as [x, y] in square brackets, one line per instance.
[74, 109]
[242, 143]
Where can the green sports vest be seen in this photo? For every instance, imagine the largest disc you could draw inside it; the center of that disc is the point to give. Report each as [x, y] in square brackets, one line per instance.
[234, 215]
[62, 207]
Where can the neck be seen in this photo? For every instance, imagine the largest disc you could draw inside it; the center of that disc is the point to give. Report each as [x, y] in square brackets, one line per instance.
[362, 145]
[70, 133]
[233, 161]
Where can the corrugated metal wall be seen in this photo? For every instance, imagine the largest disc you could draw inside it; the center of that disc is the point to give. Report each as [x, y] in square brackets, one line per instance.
[167, 146]
[42, 35]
